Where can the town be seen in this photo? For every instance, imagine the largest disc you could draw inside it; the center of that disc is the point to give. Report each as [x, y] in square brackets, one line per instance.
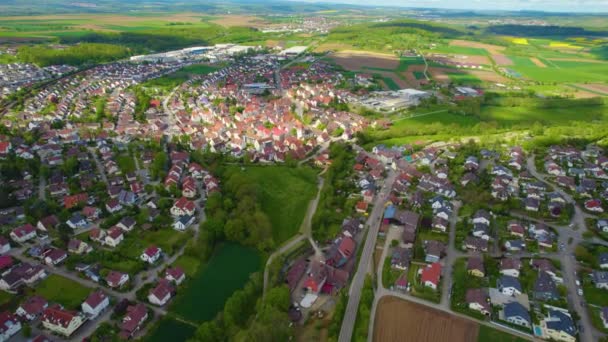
[296, 187]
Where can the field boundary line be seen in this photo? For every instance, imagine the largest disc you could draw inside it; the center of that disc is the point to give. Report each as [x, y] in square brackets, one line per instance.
[421, 115]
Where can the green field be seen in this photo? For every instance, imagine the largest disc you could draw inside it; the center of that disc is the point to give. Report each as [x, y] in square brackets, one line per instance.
[419, 75]
[405, 62]
[489, 334]
[464, 79]
[285, 194]
[62, 290]
[173, 80]
[227, 271]
[507, 116]
[188, 263]
[390, 83]
[561, 71]
[169, 329]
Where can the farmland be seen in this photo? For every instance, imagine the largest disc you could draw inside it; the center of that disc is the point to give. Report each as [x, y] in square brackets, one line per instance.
[208, 290]
[285, 193]
[400, 320]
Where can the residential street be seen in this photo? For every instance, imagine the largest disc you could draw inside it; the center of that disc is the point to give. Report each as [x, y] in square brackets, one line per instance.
[373, 225]
[572, 233]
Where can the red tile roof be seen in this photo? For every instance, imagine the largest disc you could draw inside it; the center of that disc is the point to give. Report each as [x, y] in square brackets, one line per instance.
[431, 273]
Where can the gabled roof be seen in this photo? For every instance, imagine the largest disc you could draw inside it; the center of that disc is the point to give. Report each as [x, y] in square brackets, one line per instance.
[96, 298]
[57, 316]
[431, 273]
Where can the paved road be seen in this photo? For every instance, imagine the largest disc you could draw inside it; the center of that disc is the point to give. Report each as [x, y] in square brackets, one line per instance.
[569, 263]
[451, 256]
[100, 168]
[373, 224]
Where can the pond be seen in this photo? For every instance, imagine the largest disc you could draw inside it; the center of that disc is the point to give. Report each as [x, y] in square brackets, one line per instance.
[227, 271]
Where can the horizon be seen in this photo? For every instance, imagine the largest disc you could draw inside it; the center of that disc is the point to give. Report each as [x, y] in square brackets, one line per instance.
[546, 6]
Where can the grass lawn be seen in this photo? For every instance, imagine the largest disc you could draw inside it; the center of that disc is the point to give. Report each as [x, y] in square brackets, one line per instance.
[206, 293]
[5, 297]
[508, 116]
[170, 329]
[285, 194]
[593, 294]
[596, 319]
[189, 264]
[489, 334]
[179, 77]
[62, 290]
[167, 239]
[464, 79]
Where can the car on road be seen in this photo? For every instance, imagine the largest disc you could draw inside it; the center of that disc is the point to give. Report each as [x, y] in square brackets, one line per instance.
[580, 292]
[578, 283]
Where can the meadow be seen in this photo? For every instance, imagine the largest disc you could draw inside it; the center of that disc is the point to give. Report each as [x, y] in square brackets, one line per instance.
[285, 194]
[206, 293]
[64, 291]
[173, 80]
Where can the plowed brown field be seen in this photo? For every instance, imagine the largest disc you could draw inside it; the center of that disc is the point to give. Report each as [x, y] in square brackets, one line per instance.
[403, 321]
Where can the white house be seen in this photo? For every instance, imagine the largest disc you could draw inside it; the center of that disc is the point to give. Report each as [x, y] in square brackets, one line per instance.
[151, 254]
[183, 223]
[61, 321]
[9, 325]
[175, 275]
[161, 294]
[95, 304]
[114, 237]
[23, 233]
[5, 246]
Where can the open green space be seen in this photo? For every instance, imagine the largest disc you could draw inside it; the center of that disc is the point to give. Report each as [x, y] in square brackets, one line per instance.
[419, 75]
[170, 329]
[188, 263]
[464, 79]
[390, 83]
[173, 80]
[405, 62]
[205, 294]
[285, 193]
[62, 290]
[490, 334]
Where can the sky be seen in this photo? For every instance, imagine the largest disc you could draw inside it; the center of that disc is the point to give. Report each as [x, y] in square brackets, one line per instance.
[510, 5]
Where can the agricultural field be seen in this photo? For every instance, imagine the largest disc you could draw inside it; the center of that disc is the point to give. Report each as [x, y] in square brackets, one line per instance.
[206, 293]
[357, 60]
[464, 79]
[400, 320]
[285, 194]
